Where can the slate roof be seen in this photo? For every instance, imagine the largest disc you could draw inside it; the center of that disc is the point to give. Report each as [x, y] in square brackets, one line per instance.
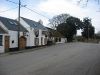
[11, 24]
[2, 31]
[35, 25]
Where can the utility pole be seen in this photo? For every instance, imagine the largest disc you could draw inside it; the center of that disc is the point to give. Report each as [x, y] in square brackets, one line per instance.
[19, 24]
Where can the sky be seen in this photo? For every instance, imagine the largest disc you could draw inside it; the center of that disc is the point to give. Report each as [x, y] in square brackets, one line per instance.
[46, 9]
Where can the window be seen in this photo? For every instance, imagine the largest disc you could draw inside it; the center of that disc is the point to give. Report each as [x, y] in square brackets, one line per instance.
[0, 40]
[15, 23]
[35, 25]
[59, 39]
[11, 22]
[36, 33]
[12, 41]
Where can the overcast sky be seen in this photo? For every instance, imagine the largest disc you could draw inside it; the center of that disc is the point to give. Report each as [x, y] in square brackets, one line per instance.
[50, 8]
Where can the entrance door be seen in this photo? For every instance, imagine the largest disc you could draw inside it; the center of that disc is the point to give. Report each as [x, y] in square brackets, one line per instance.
[6, 43]
[22, 42]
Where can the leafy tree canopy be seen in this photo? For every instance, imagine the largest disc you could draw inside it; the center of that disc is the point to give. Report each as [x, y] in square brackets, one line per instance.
[68, 25]
[56, 20]
[88, 30]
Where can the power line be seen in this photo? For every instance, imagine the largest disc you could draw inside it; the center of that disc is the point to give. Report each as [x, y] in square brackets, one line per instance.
[36, 12]
[16, 3]
[8, 10]
[28, 9]
[12, 2]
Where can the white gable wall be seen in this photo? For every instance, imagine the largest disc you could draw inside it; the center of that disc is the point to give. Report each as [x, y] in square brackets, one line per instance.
[32, 37]
[24, 24]
[30, 33]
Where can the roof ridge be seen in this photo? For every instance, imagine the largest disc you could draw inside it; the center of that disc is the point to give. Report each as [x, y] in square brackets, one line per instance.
[28, 19]
[7, 18]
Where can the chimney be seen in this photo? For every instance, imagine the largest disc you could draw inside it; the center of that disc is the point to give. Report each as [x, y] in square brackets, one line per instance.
[40, 21]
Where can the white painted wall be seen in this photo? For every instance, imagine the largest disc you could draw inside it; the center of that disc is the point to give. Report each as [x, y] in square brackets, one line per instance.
[43, 39]
[40, 35]
[13, 37]
[31, 37]
[63, 40]
[24, 24]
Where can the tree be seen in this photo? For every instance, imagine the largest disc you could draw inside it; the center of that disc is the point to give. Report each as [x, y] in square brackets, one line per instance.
[70, 27]
[87, 30]
[56, 20]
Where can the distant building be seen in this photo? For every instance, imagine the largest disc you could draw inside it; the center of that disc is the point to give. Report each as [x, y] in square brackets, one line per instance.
[55, 36]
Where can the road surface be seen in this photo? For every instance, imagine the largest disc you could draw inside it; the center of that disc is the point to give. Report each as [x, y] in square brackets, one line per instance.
[61, 59]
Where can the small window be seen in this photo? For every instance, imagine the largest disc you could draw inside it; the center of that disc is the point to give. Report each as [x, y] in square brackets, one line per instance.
[0, 40]
[35, 25]
[15, 23]
[11, 22]
[12, 41]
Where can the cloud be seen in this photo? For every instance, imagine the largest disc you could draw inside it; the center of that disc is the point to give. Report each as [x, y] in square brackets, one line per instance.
[50, 8]
[10, 14]
[55, 7]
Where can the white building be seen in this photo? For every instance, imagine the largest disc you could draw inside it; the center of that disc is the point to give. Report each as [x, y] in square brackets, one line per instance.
[9, 35]
[2, 35]
[37, 33]
[55, 36]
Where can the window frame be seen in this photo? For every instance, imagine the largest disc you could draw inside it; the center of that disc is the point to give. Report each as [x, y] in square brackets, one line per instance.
[1, 40]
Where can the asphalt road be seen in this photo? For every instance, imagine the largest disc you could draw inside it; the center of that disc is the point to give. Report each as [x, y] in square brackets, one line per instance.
[62, 59]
